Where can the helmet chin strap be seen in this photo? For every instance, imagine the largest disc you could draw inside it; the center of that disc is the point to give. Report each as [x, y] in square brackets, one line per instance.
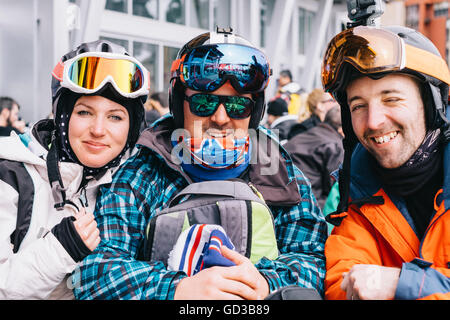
[440, 108]
[54, 177]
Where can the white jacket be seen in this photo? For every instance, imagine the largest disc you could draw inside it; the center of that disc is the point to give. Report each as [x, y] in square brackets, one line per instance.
[41, 264]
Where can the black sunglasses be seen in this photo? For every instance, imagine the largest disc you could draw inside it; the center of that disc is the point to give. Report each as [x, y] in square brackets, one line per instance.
[205, 105]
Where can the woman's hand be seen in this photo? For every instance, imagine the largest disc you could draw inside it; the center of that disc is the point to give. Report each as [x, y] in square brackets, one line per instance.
[86, 226]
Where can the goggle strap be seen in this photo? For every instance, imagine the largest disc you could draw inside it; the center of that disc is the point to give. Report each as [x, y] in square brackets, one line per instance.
[435, 66]
[58, 71]
[175, 65]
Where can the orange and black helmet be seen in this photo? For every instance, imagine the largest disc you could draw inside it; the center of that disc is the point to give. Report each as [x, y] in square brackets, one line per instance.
[376, 52]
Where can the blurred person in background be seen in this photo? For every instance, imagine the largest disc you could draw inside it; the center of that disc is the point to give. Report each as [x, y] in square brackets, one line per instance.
[290, 91]
[318, 152]
[49, 176]
[279, 119]
[318, 102]
[9, 117]
[156, 106]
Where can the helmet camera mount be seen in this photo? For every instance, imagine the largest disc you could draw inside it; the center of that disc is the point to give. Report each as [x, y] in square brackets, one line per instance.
[364, 12]
[226, 30]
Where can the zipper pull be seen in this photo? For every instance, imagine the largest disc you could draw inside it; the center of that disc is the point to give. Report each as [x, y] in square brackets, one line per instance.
[83, 198]
[256, 191]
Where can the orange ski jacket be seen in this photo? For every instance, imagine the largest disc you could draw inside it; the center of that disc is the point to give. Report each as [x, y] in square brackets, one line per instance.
[377, 229]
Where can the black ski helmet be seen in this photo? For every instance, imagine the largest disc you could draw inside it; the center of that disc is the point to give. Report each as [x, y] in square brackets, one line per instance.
[177, 88]
[63, 99]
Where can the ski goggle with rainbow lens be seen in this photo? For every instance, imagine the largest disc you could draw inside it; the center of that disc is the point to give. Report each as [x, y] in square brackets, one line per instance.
[207, 68]
[205, 105]
[374, 50]
[89, 72]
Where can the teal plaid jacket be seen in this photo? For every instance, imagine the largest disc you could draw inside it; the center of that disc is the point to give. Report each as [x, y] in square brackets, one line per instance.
[145, 183]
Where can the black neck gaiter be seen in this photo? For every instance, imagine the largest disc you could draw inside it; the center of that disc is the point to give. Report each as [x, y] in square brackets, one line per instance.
[417, 181]
[417, 171]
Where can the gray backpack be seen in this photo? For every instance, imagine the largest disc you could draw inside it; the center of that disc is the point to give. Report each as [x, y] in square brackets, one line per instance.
[233, 204]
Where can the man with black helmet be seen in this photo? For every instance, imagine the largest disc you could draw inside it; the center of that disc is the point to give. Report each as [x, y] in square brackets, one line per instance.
[391, 237]
[216, 102]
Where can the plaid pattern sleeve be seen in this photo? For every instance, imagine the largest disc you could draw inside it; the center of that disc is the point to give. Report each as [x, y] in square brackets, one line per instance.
[112, 270]
[301, 233]
[144, 184]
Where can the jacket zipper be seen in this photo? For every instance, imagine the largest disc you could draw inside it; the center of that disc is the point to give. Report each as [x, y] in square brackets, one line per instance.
[426, 231]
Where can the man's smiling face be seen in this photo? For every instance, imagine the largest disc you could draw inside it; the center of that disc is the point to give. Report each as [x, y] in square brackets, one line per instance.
[388, 117]
[218, 125]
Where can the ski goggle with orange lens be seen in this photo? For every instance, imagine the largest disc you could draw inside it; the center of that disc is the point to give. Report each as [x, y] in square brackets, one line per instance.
[207, 68]
[89, 72]
[372, 50]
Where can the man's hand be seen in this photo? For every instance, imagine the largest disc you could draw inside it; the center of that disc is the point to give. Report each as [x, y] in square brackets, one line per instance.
[251, 275]
[370, 282]
[242, 281]
[19, 125]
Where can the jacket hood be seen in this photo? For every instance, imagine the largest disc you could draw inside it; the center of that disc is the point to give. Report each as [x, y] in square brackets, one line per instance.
[22, 148]
[278, 186]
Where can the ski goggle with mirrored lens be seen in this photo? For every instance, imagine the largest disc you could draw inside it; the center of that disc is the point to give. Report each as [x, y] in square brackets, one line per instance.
[205, 105]
[373, 50]
[89, 72]
[207, 68]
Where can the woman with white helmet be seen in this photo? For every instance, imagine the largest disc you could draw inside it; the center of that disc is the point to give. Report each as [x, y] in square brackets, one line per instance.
[49, 177]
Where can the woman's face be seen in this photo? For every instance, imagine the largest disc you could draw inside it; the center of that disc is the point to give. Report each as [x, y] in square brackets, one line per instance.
[98, 130]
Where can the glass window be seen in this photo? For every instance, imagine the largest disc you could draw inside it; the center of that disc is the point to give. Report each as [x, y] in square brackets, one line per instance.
[412, 16]
[199, 12]
[147, 54]
[117, 5]
[146, 8]
[173, 10]
[221, 12]
[170, 54]
[441, 9]
[447, 47]
[305, 24]
[122, 42]
[266, 16]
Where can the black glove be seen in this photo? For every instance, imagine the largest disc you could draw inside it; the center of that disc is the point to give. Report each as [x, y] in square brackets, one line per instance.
[68, 236]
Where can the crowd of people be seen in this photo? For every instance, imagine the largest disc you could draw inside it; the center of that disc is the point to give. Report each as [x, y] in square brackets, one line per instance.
[212, 192]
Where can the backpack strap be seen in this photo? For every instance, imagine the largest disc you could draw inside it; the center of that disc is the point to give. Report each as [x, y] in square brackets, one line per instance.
[54, 178]
[222, 188]
[164, 233]
[15, 174]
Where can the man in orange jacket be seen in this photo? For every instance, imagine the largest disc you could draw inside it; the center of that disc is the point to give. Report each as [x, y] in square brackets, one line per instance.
[392, 234]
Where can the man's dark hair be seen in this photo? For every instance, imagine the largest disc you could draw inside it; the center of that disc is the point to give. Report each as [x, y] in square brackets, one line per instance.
[7, 103]
[286, 73]
[277, 107]
[333, 118]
